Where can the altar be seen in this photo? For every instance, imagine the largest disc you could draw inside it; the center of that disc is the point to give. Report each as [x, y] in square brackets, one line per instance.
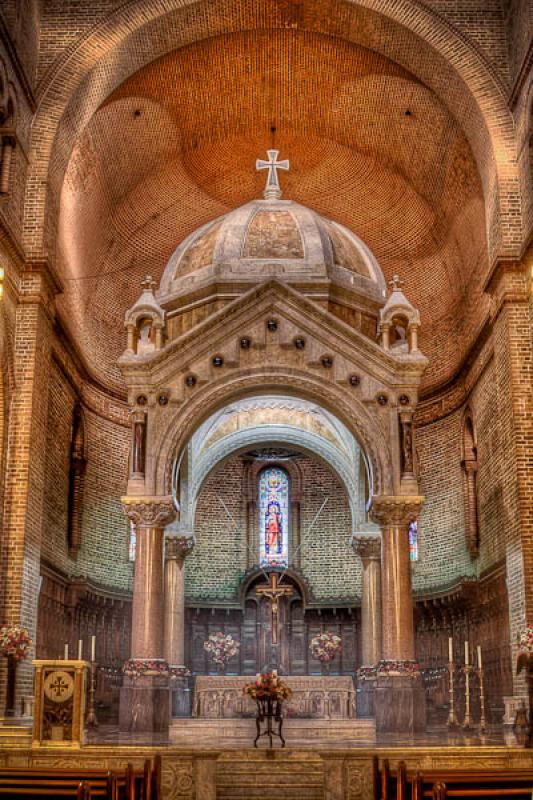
[314, 697]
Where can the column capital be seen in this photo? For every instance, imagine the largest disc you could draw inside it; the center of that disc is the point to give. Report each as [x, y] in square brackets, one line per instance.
[149, 512]
[367, 547]
[395, 509]
[178, 547]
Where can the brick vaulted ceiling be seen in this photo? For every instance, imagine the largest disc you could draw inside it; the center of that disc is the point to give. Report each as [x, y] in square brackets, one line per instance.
[370, 146]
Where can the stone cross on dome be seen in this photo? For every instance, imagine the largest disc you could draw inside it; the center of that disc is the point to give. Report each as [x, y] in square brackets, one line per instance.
[272, 189]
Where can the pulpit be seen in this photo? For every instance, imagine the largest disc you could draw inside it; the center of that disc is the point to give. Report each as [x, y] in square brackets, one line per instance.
[59, 712]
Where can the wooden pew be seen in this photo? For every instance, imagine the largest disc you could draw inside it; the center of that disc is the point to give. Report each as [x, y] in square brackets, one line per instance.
[127, 784]
[46, 789]
[459, 784]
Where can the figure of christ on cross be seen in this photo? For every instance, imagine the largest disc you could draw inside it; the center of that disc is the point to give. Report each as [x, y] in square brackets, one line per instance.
[273, 591]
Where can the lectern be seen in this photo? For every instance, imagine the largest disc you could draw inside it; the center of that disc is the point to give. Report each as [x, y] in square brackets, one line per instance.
[59, 711]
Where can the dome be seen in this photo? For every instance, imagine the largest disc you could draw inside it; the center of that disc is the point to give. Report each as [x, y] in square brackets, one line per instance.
[272, 238]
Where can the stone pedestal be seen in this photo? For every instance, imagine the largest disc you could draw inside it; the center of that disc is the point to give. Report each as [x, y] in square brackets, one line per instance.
[181, 697]
[400, 705]
[144, 704]
[365, 699]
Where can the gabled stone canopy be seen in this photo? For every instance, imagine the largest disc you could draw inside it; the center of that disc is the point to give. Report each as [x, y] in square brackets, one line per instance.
[250, 347]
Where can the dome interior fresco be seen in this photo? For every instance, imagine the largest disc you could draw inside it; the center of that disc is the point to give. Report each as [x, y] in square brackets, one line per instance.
[174, 148]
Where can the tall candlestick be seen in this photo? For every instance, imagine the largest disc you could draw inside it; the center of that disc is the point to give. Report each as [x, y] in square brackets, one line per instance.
[479, 656]
[467, 654]
[66, 652]
[450, 648]
[93, 648]
[80, 649]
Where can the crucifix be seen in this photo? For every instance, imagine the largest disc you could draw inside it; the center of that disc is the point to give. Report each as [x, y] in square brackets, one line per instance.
[273, 591]
[272, 188]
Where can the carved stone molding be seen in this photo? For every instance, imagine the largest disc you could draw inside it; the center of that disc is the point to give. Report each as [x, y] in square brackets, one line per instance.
[178, 547]
[367, 547]
[395, 509]
[149, 512]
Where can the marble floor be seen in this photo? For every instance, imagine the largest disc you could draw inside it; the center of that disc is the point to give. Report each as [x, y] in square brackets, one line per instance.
[440, 737]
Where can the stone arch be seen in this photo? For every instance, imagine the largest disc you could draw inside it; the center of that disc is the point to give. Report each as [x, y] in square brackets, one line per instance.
[365, 427]
[308, 444]
[477, 97]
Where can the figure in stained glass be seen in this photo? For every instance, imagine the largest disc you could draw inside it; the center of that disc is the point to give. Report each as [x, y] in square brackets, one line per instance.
[274, 517]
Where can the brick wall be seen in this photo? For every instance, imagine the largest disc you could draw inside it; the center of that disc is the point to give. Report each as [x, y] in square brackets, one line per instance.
[103, 555]
[221, 555]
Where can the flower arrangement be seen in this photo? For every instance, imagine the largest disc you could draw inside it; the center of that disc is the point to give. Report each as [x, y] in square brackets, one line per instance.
[179, 672]
[325, 646]
[367, 674]
[15, 641]
[137, 667]
[525, 640]
[406, 668]
[221, 647]
[268, 686]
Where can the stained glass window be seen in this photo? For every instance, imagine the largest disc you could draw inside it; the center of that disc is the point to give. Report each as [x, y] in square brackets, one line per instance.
[274, 518]
[413, 541]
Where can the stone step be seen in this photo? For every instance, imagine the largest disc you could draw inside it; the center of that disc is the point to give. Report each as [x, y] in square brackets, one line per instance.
[281, 775]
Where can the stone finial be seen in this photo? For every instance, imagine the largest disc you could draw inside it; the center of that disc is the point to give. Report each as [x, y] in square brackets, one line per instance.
[398, 315]
[272, 189]
[149, 512]
[367, 547]
[145, 322]
[179, 547]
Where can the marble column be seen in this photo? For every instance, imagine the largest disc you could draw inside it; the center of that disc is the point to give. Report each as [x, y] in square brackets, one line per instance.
[369, 550]
[177, 548]
[399, 698]
[144, 699]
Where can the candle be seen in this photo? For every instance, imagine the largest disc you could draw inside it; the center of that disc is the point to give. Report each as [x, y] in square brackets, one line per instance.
[479, 656]
[66, 652]
[450, 649]
[80, 649]
[466, 654]
[93, 648]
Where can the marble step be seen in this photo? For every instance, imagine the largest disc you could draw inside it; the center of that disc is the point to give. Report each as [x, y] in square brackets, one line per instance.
[231, 732]
[290, 783]
[16, 732]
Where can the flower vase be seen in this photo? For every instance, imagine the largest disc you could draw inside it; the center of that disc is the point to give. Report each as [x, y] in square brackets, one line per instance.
[326, 667]
[11, 684]
[221, 668]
